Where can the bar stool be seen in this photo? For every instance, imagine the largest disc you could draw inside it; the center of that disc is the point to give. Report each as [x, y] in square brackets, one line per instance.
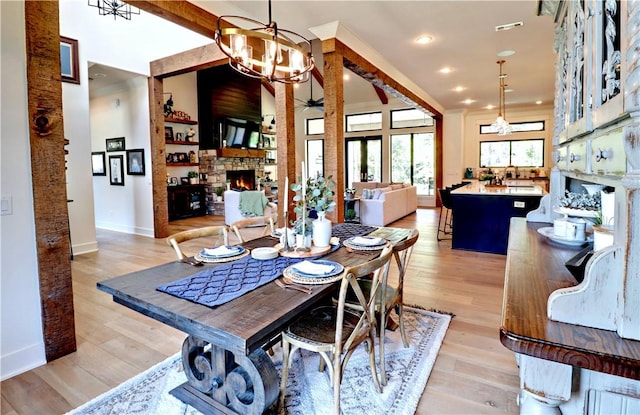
[445, 221]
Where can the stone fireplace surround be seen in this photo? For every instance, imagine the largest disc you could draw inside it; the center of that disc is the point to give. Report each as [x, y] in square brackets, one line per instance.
[216, 170]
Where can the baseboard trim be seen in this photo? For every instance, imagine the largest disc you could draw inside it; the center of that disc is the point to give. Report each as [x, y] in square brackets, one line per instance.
[21, 361]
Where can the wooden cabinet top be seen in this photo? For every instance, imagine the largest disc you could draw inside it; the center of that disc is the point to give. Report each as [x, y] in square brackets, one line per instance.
[535, 268]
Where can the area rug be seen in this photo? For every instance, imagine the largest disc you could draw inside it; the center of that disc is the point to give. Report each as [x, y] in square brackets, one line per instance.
[308, 391]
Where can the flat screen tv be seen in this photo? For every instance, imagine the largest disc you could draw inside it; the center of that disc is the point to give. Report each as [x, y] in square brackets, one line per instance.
[239, 133]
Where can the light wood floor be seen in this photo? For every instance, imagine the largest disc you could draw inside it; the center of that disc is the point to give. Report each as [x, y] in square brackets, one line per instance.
[473, 374]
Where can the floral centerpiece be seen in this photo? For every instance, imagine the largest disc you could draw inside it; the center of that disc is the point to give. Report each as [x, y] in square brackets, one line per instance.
[319, 193]
[314, 194]
[582, 204]
[580, 201]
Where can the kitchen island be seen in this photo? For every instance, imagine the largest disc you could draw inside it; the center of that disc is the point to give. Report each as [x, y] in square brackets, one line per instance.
[481, 214]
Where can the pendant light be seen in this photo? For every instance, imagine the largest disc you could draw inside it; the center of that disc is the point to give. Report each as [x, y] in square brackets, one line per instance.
[501, 125]
[286, 55]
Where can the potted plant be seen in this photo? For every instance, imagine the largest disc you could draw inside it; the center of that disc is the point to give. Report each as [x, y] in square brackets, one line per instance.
[219, 191]
[193, 177]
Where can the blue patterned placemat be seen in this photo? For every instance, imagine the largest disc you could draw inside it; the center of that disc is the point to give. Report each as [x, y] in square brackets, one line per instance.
[222, 284]
[219, 285]
[348, 230]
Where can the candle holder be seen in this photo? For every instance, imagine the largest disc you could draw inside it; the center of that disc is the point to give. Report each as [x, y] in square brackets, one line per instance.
[285, 242]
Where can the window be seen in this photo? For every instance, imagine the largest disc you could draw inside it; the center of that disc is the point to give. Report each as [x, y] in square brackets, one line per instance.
[363, 122]
[363, 159]
[413, 160]
[407, 118]
[516, 127]
[512, 153]
[315, 126]
[315, 157]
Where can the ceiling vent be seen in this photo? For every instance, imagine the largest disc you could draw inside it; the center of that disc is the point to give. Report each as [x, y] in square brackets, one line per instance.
[509, 26]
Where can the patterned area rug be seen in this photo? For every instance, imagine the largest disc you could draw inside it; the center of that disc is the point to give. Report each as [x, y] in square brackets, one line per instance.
[308, 391]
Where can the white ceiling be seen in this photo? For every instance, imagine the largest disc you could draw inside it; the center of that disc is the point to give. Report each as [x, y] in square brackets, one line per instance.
[464, 39]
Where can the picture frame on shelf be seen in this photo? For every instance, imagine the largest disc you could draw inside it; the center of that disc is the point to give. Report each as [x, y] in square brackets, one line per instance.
[173, 181]
[69, 71]
[115, 144]
[179, 136]
[168, 133]
[135, 162]
[116, 170]
[98, 163]
[184, 180]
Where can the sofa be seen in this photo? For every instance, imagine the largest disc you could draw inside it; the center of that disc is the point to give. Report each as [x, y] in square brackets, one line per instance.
[382, 203]
[232, 211]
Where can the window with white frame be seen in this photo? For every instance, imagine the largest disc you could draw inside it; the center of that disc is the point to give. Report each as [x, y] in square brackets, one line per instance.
[512, 153]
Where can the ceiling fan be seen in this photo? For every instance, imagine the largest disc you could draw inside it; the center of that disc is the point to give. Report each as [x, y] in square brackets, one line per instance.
[316, 104]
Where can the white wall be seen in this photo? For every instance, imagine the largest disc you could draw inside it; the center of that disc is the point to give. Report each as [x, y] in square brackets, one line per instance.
[129, 45]
[21, 342]
[123, 113]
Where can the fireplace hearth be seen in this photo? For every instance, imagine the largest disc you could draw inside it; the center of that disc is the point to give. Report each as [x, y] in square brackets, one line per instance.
[241, 180]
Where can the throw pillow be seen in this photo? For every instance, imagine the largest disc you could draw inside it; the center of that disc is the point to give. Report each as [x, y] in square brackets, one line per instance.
[396, 186]
[376, 193]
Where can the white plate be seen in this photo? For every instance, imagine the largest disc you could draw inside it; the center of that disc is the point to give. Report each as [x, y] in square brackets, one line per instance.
[264, 253]
[548, 233]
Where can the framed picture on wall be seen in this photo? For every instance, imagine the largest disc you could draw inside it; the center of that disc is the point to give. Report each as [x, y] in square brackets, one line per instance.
[115, 144]
[116, 169]
[135, 162]
[69, 60]
[168, 133]
[98, 163]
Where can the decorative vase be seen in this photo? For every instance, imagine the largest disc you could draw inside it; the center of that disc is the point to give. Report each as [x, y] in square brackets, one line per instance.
[321, 231]
[303, 241]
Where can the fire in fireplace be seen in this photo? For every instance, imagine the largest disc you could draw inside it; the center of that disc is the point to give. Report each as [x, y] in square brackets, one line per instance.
[242, 179]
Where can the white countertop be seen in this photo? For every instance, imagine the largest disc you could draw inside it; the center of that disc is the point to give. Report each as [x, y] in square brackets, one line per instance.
[477, 188]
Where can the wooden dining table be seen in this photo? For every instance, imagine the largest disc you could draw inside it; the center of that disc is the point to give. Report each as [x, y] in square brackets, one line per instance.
[224, 355]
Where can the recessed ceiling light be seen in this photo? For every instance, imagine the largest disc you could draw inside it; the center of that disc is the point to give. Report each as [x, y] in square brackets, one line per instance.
[508, 90]
[490, 107]
[346, 77]
[446, 69]
[538, 102]
[459, 89]
[468, 101]
[296, 85]
[423, 40]
[506, 53]
[99, 75]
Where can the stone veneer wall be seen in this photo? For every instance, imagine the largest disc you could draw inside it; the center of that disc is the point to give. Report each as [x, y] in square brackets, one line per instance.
[216, 169]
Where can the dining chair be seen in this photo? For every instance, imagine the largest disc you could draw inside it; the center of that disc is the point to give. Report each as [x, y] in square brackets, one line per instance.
[392, 298]
[445, 220]
[334, 331]
[177, 238]
[268, 222]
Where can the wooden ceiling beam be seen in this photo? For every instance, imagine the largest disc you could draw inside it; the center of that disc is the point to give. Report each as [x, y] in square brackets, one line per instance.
[365, 69]
[181, 13]
[381, 94]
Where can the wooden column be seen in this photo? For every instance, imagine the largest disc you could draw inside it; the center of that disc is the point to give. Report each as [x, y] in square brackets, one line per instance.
[158, 158]
[286, 152]
[334, 122]
[46, 135]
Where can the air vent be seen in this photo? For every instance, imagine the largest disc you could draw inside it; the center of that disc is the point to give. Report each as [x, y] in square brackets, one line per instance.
[509, 26]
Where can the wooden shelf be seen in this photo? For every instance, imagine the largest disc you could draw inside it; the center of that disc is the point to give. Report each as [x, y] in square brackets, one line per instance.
[182, 143]
[240, 152]
[174, 120]
[182, 164]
